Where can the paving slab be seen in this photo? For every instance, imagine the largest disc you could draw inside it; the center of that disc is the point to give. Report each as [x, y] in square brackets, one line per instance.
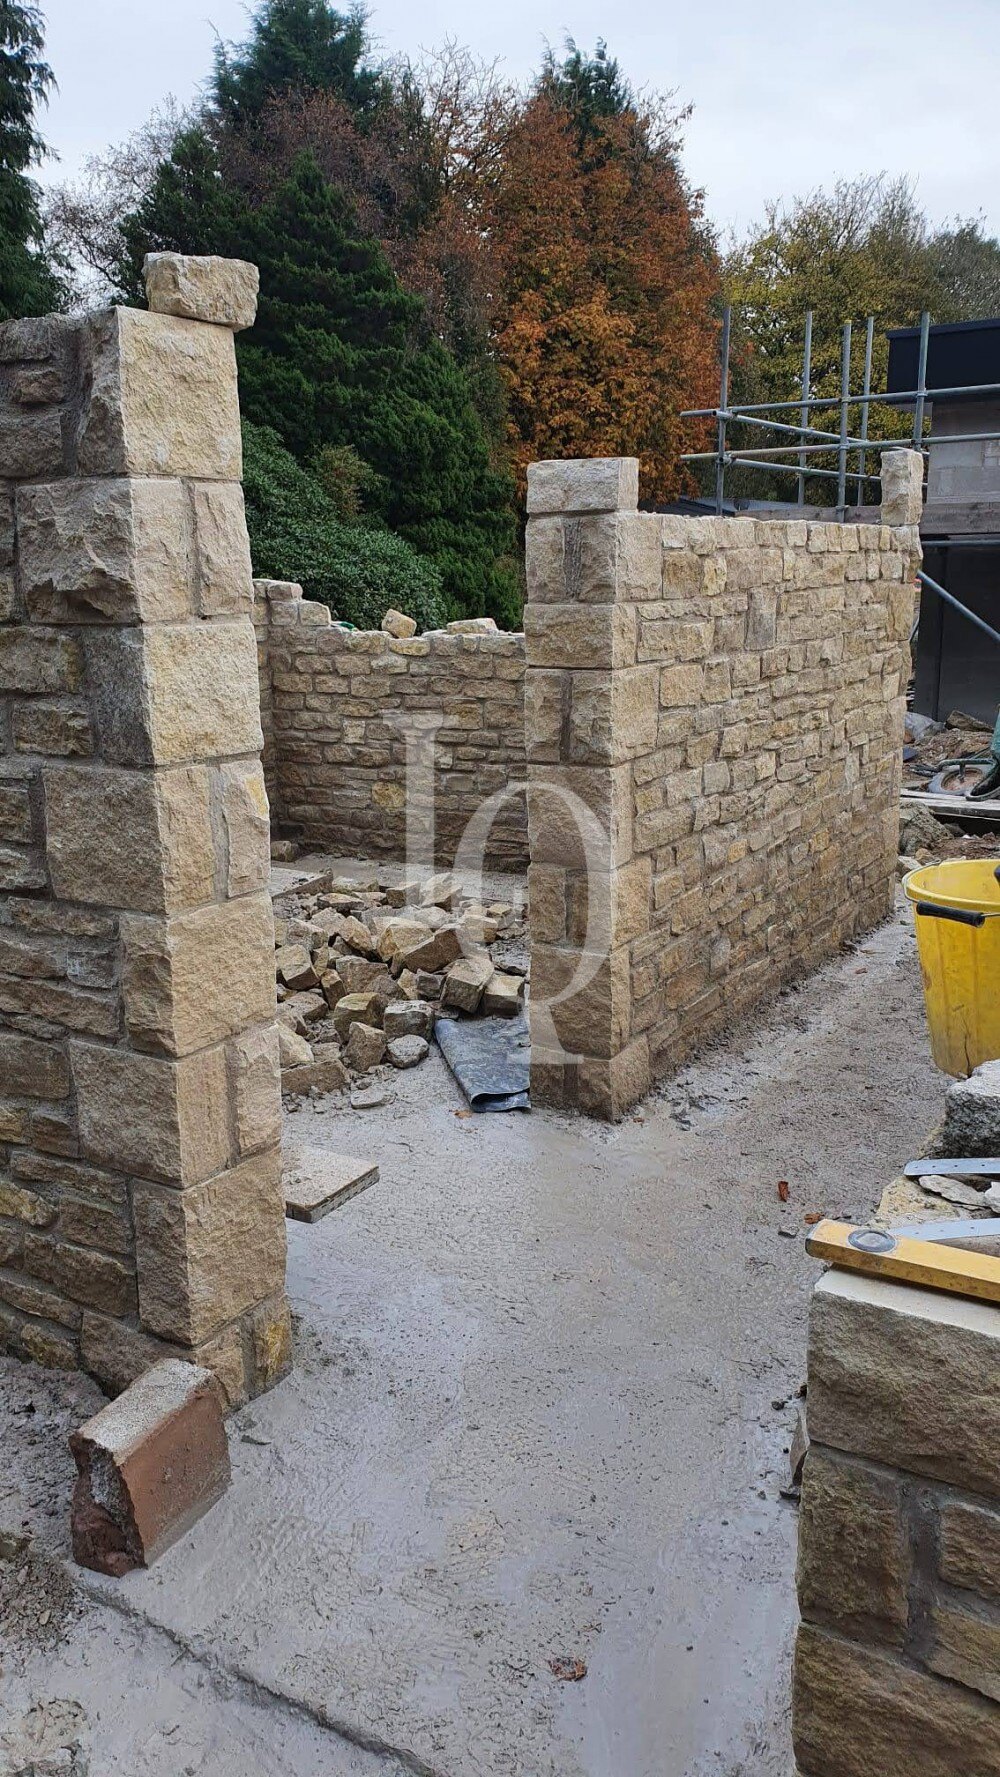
[317, 1180]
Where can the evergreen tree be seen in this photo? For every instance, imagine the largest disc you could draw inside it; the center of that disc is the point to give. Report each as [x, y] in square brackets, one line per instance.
[302, 44]
[29, 283]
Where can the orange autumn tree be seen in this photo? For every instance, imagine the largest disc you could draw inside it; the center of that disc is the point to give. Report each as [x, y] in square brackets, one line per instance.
[607, 279]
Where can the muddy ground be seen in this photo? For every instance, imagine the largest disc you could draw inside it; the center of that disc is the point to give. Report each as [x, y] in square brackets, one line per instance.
[546, 1380]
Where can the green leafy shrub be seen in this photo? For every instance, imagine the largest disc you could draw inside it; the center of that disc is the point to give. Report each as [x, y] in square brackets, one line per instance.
[296, 534]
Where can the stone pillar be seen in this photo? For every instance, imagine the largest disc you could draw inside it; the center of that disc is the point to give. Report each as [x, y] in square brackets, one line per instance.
[897, 1664]
[590, 709]
[141, 1208]
[902, 487]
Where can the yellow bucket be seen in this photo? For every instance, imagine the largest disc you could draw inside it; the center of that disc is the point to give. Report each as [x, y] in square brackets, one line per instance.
[956, 909]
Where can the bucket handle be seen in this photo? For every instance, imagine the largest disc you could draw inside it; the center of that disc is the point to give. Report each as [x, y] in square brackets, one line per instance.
[960, 915]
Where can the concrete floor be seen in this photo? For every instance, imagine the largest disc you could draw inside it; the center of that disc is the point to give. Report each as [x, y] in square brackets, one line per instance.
[545, 1386]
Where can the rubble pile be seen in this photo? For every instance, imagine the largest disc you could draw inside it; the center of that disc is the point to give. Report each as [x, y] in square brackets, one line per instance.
[364, 969]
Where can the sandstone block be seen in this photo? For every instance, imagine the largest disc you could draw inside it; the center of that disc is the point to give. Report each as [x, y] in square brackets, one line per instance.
[613, 715]
[255, 1072]
[580, 817]
[899, 1718]
[502, 995]
[595, 637]
[972, 1109]
[327, 1074]
[26, 1206]
[93, 1279]
[15, 814]
[223, 577]
[546, 708]
[115, 1352]
[31, 445]
[396, 623]
[354, 1008]
[466, 982]
[472, 626]
[201, 694]
[405, 1052]
[877, 1352]
[32, 1069]
[587, 997]
[854, 1558]
[608, 1086]
[965, 1646]
[583, 484]
[969, 1547]
[408, 1018]
[270, 1343]
[434, 952]
[294, 966]
[246, 822]
[51, 728]
[202, 287]
[317, 1181]
[206, 1254]
[149, 1465]
[162, 398]
[400, 935]
[105, 550]
[160, 1120]
[199, 977]
[39, 661]
[902, 487]
[128, 838]
[293, 1050]
[365, 1046]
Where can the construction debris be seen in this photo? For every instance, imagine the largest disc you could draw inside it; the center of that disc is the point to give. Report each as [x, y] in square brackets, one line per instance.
[363, 970]
[149, 1465]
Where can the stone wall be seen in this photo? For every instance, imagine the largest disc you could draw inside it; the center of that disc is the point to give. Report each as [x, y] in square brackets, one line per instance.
[897, 1664]
[141, 1210]
[722, 699]
[347, 709]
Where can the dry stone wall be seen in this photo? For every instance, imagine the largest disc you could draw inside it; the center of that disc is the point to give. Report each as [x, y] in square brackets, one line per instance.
[346, 710]
[714, 719]
[897, 1664]
[141, 1212]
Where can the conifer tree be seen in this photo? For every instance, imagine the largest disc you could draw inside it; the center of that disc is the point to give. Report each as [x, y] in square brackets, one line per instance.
[29, 283]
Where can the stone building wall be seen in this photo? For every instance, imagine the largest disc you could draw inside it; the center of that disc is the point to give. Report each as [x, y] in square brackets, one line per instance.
[723, 700]
[342, 706]
[141, 1210]
[897, 1664]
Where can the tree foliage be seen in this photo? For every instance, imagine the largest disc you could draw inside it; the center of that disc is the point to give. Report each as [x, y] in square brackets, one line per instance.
[297, 534]
[604, 322]
[31, 282]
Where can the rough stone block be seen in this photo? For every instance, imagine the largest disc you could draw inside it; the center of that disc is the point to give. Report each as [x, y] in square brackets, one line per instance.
[607, 1087]
[39, 661]
[105, 551]
[902, 487]
[594, 637]
[965, 1646]
[246, 824]
[130, 839]
[161, 398]
[584, 996]
[202, 287]
[224, 574]
[580, 817]
[206, 1254]
[160, 1120]
[583, 484]
[149, 1465]
[32, 1069]
[856, 1712]
[972, 1112]
[199, 977]
[877, 1353]
[328, 1074]
[94, 1279]
[969, 1547]
[854, 1558]
[192, 692]
[613, 715]
[466, 981]
[51, 728]
[31, 445]
[253, 1060]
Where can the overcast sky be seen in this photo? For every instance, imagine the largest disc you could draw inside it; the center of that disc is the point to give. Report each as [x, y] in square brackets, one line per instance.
[787, 95]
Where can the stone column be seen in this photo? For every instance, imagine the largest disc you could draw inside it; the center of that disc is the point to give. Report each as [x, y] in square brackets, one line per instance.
[141, 1209]
[590, 709]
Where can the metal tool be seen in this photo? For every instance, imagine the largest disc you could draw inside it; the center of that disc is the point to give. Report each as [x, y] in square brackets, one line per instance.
[953, 1168]
[901, 1258]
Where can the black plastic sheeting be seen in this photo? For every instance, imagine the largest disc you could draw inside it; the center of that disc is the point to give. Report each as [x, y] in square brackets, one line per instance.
[490, 1058]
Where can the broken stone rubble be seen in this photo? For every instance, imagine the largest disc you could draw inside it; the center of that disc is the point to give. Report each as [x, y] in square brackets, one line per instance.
[363, 969]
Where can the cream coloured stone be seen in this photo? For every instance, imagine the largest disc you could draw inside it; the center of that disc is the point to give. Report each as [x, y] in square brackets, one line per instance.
[199, 977]
[206, 1254]
[583, 484]
[472, 626]
[613, 715]
[902, 487]
[293, 1050]
[202, 693]
[466, 982]
[130, 839]
[595, 636]
[396, 623]
[224, 577]
[161, 398]
[246, 820]
[105, 549]
[202, 287]
[156, 1119]
[255, 1073]
[365, 1046]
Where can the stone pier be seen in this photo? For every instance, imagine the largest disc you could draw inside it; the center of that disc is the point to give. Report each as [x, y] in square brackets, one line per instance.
[141, 1210]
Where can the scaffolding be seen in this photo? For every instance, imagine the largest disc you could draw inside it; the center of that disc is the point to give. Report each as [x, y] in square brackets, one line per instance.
[851, 449]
